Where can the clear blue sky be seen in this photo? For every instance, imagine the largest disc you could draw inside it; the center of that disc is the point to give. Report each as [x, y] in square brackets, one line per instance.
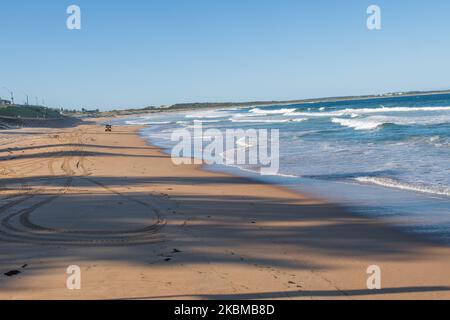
[138, 53]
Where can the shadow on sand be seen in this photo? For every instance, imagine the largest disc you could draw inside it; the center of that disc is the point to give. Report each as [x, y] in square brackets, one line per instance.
[222, 229]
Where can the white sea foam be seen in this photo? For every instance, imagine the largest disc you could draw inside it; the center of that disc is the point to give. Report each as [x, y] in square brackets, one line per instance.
[299, 119]
[210, 121]
[391, 183]
[144, 122]
[363, 111]
[435, 139]
[373, 122]
[394, 109]
[243, 120]
[260, 120]
[316, 114]
[199, 121]
[256, 171]
[208, 114]
[363, 124]
[277, 111]
[242, 142]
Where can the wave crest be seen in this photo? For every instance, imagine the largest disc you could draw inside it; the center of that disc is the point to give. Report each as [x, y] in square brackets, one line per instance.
[391, 183]
[277, 111]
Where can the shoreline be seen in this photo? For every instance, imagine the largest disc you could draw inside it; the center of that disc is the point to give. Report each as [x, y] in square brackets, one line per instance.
[217, 235]
[234, 171]
[360, 196]
[300, 189]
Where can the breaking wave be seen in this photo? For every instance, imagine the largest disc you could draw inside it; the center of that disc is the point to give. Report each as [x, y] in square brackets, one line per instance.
[143, 122]
[362, 124]
[278, 111]
[391, 183]
[363, 111]
[375, 122]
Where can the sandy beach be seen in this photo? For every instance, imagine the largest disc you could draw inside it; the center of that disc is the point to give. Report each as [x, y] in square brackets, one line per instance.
[140, 227]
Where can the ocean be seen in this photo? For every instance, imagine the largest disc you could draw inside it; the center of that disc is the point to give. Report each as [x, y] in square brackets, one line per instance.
[387, 158]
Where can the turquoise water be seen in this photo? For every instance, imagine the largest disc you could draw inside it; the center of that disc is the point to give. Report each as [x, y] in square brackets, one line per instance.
[386, 157]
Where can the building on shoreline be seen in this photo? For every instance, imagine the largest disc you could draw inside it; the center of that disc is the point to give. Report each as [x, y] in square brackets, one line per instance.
[5, 102]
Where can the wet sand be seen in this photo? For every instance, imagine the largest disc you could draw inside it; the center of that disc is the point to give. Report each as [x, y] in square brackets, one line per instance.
[140, 227]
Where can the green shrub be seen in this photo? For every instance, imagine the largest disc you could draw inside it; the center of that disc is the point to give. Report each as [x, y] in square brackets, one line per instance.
[28, 112]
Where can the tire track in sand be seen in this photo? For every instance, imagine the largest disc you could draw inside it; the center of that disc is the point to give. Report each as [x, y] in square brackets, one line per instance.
[17, 226]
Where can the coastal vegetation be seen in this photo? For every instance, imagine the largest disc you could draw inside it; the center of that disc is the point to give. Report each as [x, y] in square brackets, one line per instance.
[28, 112]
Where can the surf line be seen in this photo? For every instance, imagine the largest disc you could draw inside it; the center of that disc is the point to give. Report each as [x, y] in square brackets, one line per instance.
[256, 147]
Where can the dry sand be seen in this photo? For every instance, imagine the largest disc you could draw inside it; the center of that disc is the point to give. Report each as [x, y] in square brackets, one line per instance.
[141, 228]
